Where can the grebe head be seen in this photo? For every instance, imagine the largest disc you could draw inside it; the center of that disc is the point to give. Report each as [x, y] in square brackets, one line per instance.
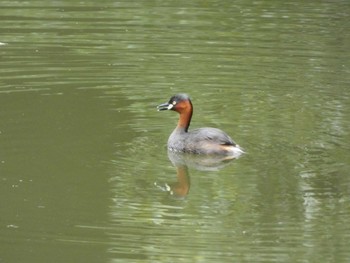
[179, 102]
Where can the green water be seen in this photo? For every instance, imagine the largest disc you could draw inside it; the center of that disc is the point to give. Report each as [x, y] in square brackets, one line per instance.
[84, 169]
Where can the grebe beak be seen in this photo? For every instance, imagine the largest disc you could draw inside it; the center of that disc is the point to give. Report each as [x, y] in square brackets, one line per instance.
[165, 106]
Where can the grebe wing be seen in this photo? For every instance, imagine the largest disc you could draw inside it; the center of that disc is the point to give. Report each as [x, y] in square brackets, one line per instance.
[213, 135]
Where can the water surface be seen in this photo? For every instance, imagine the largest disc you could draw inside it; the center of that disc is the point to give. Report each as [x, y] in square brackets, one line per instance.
[84, 170]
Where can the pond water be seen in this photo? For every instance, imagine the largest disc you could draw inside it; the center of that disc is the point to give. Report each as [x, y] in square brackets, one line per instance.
[84, 170]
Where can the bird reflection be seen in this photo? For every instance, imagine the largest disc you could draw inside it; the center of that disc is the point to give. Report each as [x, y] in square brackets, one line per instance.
[181, 187]
[199, 162]
[182, 162]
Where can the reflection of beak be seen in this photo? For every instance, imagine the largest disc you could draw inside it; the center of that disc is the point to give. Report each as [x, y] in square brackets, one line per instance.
[165, 106]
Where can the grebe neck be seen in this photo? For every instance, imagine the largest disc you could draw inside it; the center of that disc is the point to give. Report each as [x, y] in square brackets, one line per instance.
[184, 120]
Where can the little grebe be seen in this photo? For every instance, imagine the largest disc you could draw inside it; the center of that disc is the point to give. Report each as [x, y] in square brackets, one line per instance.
[199, 141]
